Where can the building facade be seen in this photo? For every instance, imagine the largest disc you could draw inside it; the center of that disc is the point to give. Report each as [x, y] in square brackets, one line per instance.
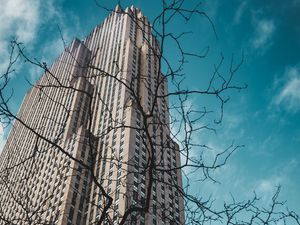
[94, 132]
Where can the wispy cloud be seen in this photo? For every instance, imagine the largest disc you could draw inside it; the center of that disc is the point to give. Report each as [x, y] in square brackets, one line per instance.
[264, 30]
[18, 19]
[289, 94]
[26, 21]
[240, 11]
[265, 187]
[211, 8]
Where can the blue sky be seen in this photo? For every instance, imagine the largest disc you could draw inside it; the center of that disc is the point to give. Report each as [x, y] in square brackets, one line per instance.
[265, 117]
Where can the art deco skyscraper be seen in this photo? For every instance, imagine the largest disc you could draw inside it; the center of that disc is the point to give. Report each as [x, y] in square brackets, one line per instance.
[95, 125]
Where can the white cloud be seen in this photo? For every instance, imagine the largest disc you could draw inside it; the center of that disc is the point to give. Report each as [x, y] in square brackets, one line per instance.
[264, 30]
[266, 186]
[23, 20]
[289, 94]
[240, 11]
[18, 19]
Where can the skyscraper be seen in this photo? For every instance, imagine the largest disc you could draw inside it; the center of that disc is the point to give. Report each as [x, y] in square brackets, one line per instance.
[93, 135]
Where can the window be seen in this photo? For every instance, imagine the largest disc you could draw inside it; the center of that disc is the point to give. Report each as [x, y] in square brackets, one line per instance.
[71, 213]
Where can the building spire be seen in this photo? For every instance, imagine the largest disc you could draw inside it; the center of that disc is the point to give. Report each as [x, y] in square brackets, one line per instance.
[118, 8]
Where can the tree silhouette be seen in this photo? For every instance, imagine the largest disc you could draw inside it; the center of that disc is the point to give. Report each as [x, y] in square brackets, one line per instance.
[71, 151]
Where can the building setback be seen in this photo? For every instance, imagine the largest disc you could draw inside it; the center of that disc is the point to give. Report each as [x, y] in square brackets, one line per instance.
[96, 107]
